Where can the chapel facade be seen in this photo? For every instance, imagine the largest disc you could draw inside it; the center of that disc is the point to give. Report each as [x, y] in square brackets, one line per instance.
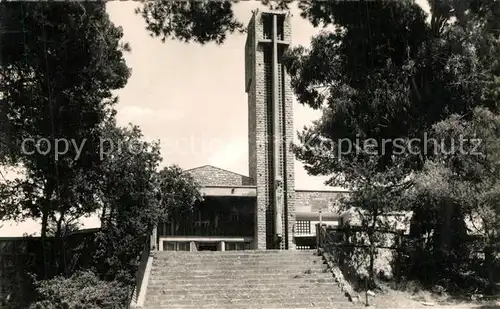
[262, 210]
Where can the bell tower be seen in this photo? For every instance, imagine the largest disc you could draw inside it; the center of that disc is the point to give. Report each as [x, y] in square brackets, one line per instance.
[270, 128]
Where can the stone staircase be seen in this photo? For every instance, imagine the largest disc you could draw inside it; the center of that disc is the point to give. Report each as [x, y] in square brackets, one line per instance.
[242, 279]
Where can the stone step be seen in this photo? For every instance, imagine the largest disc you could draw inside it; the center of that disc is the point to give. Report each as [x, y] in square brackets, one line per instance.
[239, 277]
[192, 266]
[256, 299]
[269, 293]
[198, 256]
[242, 267]
[278, 303]
[237, 252]
[231, 281]
[253, 289]
[249, 278]
[255, 262]
[238, 258]
[188, 288]
[242, 279]
[241, 261]
[214, 296]
[316, 305]
[311, 287]
[222, 264]
[228, 282]
[244, 272]
[285, 302]
[222, 273]
[232, 257]
[262, 268]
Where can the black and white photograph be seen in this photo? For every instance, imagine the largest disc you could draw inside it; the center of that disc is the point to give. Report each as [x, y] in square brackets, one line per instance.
[250, 154]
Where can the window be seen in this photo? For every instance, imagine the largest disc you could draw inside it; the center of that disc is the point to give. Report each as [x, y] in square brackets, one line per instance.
[302, 227]
[303, 247]
[176, 246]
[281, 27]
[169, 246]
[183, 246]
[267, 22]
[232, 246]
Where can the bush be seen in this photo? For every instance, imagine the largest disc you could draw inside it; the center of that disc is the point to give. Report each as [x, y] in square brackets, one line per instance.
[83, 290]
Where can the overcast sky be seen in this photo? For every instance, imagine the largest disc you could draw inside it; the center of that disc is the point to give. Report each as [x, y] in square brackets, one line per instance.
[192, 98]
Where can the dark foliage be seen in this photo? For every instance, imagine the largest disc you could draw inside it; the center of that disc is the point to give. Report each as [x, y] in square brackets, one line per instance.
[198, 21]
[81, 290]
[386, 74]
[60, 65]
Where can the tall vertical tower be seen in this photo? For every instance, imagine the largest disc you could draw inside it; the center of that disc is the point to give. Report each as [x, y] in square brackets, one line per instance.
[270, 128]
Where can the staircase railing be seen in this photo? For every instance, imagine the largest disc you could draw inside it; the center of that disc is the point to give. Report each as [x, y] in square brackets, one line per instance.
[141, 275]
[328, 247]
[326, 243]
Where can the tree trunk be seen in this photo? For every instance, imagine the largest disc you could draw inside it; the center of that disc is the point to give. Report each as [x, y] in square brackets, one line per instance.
[103, 216]
[489, 261]
[372, 262]
[43, 236]
[371, 237]
[49, 189]
[446, 227]
[59, 247]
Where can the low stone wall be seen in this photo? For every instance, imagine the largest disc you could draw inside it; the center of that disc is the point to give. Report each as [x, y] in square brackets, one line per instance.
[354, 250]
[347, 249]
[356, 256]
[344, 284]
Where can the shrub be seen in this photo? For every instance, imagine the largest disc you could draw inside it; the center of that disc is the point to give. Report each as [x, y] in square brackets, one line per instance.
[83, 290]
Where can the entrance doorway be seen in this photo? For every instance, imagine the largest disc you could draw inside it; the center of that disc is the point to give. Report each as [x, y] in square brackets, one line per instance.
[207, 246]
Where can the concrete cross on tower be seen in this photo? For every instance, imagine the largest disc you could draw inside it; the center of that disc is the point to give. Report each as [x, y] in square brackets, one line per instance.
[276, 41]
[270, 128]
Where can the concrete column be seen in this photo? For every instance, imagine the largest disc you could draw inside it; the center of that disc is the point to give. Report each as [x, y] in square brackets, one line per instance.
[275, 187]
[154, 239]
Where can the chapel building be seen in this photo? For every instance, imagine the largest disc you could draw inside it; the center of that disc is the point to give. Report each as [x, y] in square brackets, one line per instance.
[262, 210]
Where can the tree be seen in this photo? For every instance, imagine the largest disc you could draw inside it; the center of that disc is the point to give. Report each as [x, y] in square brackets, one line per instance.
[375, 204]
[386, 80]
[198, 21]
[128, 196]
[383, 77]
[47, 94]
[178, 191]
[467, 180]
[135, 197]
[57, 75]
